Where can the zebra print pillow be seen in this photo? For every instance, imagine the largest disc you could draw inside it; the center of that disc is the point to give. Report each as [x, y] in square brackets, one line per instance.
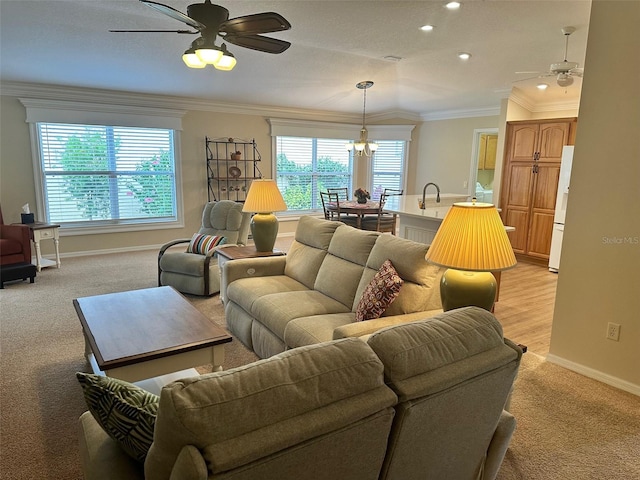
[126, 412]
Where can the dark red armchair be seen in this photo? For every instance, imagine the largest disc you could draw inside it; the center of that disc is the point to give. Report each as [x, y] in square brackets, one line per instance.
[15, 243]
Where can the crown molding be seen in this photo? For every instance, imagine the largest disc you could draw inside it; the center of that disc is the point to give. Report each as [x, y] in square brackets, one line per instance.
[520, 98]
[464, 113]
[145, 100]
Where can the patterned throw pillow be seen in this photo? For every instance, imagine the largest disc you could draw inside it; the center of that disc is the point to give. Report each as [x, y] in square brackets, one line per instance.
[126, 412]
[383, 289]
[202, 244]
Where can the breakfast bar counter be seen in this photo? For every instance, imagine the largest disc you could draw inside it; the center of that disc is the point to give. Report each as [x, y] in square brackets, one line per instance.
[421, 225]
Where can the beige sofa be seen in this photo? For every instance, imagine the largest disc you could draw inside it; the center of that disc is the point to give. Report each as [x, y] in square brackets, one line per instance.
[310, 295]
[419, 400]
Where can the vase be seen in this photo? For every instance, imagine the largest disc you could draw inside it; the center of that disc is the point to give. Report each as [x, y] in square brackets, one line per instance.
[362, 200]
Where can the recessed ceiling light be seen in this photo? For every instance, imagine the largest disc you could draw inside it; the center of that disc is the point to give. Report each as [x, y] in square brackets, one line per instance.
[464, 56]
[542, 86]
[453, 5]
[427, 28]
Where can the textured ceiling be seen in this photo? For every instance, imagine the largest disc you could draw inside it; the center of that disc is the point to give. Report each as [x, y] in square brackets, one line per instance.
[335, 44]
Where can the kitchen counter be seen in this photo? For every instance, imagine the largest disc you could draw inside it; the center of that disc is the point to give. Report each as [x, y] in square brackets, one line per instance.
[417, 224]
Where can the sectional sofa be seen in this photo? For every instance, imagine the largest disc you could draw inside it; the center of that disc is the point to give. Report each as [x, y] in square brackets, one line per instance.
[417, 400]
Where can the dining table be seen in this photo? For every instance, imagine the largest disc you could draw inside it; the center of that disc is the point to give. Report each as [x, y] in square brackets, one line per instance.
[355, 208]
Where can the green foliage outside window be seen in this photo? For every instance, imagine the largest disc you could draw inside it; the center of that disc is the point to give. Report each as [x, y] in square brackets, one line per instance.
[153, 191]
[296, 181]
[89, 192]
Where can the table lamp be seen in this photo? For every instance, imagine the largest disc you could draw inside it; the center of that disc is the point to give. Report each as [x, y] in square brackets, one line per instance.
[263, 199]
[471, 242]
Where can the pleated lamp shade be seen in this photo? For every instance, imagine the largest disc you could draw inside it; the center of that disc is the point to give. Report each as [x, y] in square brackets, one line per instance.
[472, 237]
[264, 197]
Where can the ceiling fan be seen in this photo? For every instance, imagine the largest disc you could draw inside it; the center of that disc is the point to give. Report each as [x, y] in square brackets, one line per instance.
[564, 71]
[211, 21]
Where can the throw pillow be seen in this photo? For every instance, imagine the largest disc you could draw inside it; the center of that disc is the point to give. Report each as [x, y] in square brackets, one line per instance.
[126, 412]
[202, 244]
[382, 290]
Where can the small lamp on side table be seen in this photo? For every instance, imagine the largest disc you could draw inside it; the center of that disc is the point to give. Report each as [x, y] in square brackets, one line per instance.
[471, 243]
[263, 199]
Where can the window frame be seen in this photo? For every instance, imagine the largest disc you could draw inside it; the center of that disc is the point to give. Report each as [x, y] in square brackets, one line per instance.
[80, 113]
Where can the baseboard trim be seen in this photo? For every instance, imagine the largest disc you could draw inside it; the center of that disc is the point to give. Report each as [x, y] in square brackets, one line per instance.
[595, 374]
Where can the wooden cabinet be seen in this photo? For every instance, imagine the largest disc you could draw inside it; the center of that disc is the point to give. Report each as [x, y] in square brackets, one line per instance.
[530, 182]
[232, 164]
[487, 151]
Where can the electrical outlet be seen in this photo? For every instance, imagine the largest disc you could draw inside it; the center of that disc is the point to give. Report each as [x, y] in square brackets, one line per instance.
[613, 331]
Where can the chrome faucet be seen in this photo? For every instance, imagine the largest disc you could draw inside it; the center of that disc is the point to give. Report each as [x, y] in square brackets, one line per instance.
[424, 192]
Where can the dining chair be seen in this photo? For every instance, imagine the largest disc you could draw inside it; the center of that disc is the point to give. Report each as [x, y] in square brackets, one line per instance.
[392, 191]
[383, 221]
[343, 193]
[331, 208]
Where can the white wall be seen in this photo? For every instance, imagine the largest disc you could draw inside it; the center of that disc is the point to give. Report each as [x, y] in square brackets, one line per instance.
[599, 279]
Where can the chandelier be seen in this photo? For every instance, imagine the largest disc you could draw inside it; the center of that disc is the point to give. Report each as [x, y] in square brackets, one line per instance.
[363, 146]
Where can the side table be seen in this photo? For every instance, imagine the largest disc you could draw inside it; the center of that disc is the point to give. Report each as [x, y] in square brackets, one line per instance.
[45, 231]
[236, 252]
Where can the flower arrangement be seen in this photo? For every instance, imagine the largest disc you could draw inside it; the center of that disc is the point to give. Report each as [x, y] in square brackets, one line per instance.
[362, 195]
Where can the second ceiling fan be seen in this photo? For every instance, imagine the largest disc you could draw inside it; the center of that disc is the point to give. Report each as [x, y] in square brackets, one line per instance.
[564, 71]
[211, 21]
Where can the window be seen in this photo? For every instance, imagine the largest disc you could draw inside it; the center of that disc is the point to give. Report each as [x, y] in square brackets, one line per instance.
[387, 167]
[106, 175]
[307, 166]
[311, 156]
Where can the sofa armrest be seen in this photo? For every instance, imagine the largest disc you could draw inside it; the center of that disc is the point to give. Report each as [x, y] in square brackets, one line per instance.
[252, 267]
[368, 327]
[101, 457]
[21, 234]
[499, 444]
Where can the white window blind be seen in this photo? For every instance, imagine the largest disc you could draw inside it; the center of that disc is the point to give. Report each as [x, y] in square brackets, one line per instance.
[107, 175]
[307, 166]
[387, 169]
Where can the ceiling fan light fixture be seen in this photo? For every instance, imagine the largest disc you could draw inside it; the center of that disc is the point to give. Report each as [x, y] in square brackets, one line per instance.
[227, 61]
[209, 55]
[564, 80]
[192, 60]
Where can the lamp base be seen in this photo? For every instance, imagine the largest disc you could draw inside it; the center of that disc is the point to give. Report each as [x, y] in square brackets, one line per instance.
[459, 288]
[264, 230]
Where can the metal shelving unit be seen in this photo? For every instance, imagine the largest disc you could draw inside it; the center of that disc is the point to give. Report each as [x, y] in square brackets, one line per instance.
[232, 164]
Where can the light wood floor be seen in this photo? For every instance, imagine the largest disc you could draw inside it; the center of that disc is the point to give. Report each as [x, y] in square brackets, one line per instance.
[525, 306]
[526, 303]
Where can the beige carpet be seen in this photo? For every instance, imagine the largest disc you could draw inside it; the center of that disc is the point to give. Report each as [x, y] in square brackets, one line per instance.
[569, 427]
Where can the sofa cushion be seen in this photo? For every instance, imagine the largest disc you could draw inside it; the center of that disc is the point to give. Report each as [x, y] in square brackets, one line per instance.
[202, 244]
[126, 412]
[382, 290]
[309, 248]
[420, 291]
[241, 415]
[245, 291]
[278, 309]
[342, 268]
[315, 329]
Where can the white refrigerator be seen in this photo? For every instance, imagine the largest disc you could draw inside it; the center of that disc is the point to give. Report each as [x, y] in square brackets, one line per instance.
[561, 208]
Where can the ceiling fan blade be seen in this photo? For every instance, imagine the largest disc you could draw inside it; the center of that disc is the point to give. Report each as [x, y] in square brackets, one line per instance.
[173, 13]
[259, 43]
[153, 31]
[266, 22]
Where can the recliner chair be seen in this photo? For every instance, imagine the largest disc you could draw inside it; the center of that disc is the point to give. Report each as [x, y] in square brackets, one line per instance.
[198, 274]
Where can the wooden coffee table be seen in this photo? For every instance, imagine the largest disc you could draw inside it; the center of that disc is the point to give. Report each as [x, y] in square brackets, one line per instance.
[147, 334]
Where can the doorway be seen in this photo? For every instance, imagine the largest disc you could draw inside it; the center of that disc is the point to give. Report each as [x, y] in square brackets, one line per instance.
[483, 164]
